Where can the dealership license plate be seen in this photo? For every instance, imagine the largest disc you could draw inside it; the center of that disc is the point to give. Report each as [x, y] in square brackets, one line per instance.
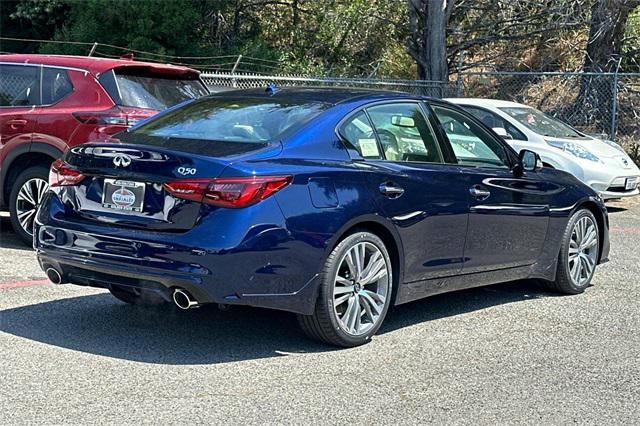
[123, 195]
[631, 183]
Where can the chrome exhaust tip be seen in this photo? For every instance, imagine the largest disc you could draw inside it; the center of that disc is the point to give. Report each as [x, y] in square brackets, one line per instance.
[183, 300]
[54, 276]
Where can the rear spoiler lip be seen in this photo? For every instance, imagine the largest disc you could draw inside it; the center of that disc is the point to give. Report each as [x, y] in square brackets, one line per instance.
[160, 69]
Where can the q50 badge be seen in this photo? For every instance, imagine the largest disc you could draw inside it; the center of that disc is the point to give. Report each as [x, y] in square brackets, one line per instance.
[187, 171]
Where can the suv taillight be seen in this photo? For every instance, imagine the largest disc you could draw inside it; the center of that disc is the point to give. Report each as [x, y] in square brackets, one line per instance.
[235, 192]
[110, 117]
[62, 174]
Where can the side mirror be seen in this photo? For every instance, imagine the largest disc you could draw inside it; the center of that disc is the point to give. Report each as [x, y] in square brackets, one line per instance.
[529, 161]
[502, 133]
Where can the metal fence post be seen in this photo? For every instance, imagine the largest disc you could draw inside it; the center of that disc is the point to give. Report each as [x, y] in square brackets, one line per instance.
[459, 80]
[614, 102]
[93, 48]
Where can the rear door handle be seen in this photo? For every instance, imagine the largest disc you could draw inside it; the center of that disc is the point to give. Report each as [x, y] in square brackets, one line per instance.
[16, 124]
[478, 192]
[391, 190]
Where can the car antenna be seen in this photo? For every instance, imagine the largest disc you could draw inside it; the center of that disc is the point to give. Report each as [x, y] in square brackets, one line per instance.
[272, 89]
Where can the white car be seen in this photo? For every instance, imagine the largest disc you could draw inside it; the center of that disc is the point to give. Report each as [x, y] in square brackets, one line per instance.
[601, 164]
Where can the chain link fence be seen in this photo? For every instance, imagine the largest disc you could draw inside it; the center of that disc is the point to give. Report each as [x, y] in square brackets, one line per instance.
[219, 82]
[607, 104]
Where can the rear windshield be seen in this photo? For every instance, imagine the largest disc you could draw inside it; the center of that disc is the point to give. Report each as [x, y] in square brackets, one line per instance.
[231, 120]
[154, 92]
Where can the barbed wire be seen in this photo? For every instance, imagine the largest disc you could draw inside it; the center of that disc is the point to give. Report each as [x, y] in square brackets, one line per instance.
[152, 54]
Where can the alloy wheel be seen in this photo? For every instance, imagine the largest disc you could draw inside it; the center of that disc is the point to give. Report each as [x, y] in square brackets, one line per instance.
[28, 200]
[361, 288]
[583, 251]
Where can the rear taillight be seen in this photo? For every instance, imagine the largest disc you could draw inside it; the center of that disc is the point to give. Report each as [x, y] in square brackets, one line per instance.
[62, 174]
[233, 192]
[110, 117]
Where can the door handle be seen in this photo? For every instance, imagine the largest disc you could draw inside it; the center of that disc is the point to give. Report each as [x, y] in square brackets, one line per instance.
[478, 192]
[390, 190]
[16, 124]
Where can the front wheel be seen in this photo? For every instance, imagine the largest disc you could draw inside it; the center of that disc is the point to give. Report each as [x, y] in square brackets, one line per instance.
[578, 254]
[355, 292]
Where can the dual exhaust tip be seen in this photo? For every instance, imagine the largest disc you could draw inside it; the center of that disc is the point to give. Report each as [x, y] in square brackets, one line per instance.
[181, 298]
[184, 300]
[54, 276]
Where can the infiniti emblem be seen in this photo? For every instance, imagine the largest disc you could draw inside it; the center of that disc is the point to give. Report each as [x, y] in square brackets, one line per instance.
[121, 160]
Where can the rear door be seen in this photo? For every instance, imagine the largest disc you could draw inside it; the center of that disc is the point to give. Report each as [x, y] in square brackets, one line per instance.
[412, 185]
[508, 214]
[19, 97]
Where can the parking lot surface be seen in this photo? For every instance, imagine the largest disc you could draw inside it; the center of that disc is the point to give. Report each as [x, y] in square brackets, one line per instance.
[508, 353]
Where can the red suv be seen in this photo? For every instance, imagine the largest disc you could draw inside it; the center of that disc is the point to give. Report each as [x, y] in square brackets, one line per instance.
[51, 103]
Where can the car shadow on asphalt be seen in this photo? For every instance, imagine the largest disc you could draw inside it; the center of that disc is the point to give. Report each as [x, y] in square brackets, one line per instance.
[8, 239]
[101, 325]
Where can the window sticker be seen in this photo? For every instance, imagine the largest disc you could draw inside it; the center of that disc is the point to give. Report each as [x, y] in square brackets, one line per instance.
[369, 148]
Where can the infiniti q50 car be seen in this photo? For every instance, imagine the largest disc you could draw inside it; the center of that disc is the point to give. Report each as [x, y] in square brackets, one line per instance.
[332, 204]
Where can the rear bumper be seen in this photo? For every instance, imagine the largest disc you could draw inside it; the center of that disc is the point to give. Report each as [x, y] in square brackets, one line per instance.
[261, 266]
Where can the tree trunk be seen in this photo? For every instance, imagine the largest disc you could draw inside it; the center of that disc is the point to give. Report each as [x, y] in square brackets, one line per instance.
[428, 21]
[594, 103]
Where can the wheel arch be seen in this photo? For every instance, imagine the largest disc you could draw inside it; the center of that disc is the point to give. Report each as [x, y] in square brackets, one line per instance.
[389, 236]
[22, 158]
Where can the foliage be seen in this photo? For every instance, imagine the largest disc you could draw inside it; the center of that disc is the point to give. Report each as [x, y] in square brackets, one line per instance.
[329, 37]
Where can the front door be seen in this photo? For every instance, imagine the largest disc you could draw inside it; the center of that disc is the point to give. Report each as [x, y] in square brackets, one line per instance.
[508, 214]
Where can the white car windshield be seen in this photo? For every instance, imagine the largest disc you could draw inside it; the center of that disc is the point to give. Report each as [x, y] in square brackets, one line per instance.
[541, 123]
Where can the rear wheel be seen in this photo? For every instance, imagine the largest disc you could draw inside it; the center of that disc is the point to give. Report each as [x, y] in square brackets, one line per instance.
[134, 296]
[578, 254]
[26, 194]
[355, 292]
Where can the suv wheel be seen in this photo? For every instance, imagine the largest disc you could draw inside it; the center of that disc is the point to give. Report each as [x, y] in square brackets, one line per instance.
[355, 292]
[26, 194]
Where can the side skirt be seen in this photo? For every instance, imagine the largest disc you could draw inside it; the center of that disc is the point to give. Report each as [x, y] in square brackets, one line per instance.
[409, 292]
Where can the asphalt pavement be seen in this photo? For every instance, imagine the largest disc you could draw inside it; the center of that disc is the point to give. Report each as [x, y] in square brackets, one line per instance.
[510, 353]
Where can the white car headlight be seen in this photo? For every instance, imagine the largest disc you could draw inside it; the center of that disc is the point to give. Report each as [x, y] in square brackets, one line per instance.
[574, 149]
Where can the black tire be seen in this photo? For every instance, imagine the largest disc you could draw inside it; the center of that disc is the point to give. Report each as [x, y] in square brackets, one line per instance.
[323, 324]
[35, 172]
[134, 296]
[564, 283]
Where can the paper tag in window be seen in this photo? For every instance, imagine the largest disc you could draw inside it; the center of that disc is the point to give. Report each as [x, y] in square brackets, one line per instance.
[368, 148]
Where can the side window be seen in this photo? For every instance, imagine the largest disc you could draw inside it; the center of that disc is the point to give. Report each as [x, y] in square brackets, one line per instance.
[404, 133]
[19, 85]
[358, 133]
[493, 120]
[55, 85]
[472, 145]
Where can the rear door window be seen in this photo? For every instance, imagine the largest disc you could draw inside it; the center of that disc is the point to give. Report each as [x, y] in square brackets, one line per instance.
[150, 91]
[19, 85]
[56, 85]
[404, 133]
[358, 134]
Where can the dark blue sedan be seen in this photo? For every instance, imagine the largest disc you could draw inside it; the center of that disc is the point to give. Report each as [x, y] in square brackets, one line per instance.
[333, 204]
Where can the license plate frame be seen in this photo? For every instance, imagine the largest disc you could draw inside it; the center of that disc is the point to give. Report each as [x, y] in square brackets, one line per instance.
[631, 183]
[123, 195]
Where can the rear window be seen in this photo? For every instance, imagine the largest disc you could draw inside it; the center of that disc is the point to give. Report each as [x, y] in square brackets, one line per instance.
[148, 91]
[256, 120]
